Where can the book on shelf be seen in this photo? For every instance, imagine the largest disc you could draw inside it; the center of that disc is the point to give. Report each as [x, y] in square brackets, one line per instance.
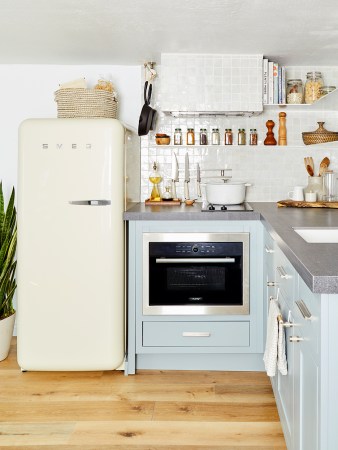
[280, 81]
[283, 85]
[265, 80]
[270, 84]
[275, 83]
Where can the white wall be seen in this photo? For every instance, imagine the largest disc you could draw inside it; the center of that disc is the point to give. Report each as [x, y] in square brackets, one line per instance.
[27, 91]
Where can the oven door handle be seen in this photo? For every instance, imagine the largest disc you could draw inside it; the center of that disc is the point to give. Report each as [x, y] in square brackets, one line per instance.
[194, 260]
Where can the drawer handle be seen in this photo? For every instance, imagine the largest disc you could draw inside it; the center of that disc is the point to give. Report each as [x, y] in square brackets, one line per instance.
[282, 273]
[271, 284]
[304, 310]
[196, 334]
[269, 250]
[296, 339]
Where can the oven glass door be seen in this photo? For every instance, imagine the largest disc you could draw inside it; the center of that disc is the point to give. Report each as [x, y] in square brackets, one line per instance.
[196, 277]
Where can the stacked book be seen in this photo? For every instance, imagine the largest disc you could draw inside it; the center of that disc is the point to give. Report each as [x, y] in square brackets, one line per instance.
[274, 83]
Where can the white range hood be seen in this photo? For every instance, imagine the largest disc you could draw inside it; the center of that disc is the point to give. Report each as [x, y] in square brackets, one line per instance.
[196, 85]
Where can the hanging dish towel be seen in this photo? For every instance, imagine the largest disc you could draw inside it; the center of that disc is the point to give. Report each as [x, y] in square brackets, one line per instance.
[271, 346]
[281, 355]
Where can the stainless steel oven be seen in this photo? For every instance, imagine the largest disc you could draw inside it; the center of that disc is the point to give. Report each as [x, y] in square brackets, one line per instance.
[195, 273]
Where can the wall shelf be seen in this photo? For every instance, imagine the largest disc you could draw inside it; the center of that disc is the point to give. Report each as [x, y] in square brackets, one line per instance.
[317, 146]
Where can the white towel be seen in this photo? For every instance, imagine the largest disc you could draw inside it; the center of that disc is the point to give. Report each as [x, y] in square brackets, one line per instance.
[270, 354]
[281, 355]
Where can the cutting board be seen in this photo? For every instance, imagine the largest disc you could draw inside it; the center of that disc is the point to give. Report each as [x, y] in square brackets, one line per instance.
[163, 203]
[298, 204]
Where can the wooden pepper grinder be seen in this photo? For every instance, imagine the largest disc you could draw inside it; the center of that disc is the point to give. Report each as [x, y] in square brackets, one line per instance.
[282, 129]
[270, 138]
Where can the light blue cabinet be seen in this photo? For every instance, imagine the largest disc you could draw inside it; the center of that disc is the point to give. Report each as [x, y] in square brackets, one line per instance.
[210, 342]
[298, 394]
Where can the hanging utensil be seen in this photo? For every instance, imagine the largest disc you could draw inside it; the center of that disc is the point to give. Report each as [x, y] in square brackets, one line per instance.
[148, 114]
[186, 177]
[198, 180]
[174, 175]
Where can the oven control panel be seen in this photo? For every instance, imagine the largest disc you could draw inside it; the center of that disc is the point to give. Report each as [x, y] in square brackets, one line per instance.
[194, 249]
[199, 248]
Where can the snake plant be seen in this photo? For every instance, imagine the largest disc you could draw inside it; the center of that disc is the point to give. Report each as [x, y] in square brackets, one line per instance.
[8, 238]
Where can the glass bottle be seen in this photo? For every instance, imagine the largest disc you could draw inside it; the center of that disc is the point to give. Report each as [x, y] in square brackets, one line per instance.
[167, 194]
[294, 92]
[315, 184]
[203, 136]
[190, 136]
[241, 136]
[215, 138]
[155, 177]
[178, 136]
[253, 136]
[228, 137]
[314, 82]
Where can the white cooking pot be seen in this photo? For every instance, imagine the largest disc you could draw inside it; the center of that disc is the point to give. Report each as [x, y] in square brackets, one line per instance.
[229, 193]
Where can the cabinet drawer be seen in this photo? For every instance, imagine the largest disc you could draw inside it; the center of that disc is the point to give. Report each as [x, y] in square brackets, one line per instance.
[196, 334]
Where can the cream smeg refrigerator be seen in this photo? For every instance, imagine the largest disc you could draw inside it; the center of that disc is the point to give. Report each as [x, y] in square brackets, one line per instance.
[70, 274]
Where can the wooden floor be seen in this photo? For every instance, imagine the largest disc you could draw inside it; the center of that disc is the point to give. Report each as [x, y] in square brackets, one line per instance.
[151, 410]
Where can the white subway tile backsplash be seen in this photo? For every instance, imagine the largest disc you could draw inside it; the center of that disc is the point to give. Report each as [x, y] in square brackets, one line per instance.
[272, 171]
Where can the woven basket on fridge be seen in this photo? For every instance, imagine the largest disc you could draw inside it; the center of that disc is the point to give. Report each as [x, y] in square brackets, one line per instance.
[85, 103]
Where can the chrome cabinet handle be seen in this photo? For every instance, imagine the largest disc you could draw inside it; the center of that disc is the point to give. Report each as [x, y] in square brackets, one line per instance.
[303, 309]
[90, 202]
[196, 334]
[269, 250]
[282, 273]
[271, 284]
[296, 339]
[194, 260]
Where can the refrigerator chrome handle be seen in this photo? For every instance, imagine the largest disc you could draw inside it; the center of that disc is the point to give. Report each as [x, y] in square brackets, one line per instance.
[90, 202]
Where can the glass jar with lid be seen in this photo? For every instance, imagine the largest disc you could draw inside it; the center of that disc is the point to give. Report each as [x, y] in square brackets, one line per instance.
[203, 136]
[190, 136]
[294, 92]
[253, 136]
[215, 138]
[228, 136]
[314, 81]
[241, 136]
[324, 90]
[178, 136]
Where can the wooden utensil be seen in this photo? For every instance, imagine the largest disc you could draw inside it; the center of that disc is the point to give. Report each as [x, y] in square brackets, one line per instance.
[311, 163]
[309, 170]
[323, 165]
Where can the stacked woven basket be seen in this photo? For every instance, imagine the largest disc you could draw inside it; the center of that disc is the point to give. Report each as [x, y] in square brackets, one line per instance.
[85, 103]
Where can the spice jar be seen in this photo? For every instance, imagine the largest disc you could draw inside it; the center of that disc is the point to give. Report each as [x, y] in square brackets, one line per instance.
[294, 92]
[314, 82]
[178, 136]
[253, 136]
[203, 136]
[241, 136]
[190, 136]
[215, 138]
[228, 137]
[324, 90]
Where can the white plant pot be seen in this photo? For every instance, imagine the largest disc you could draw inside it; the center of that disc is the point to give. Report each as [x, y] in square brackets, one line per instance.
[6, 333]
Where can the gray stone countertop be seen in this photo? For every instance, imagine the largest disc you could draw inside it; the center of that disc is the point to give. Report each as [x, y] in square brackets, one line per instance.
[317, 264]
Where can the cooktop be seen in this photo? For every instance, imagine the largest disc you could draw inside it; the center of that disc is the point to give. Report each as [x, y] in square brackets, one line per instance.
[209, 207]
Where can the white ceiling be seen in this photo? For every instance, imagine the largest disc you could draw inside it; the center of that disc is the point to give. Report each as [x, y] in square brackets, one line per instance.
[297, 32]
